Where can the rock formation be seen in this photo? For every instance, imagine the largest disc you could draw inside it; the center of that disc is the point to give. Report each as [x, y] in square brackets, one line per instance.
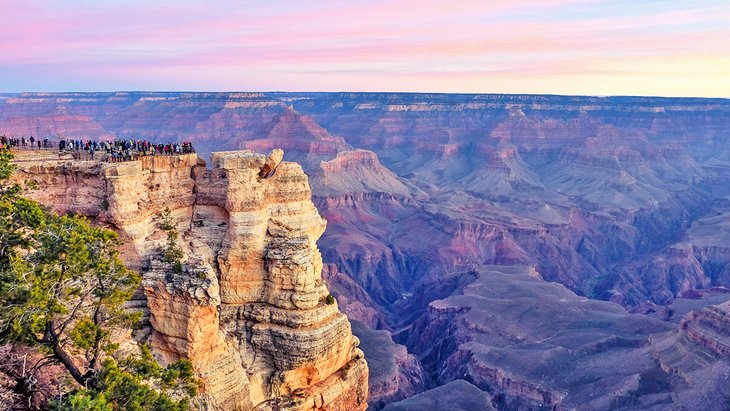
[247, 304]
[457, 395]
[394, 374]
[709, 328]
[272, 161]
[543, 347]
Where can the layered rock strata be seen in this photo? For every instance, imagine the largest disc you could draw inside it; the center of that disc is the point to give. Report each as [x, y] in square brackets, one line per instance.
[709, 328]
[247, 303]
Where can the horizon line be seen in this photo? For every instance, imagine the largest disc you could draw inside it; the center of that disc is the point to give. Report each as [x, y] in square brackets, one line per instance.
[600, 96]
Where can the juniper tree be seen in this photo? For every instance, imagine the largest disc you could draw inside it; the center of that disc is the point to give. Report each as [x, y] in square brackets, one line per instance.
[62, 289]
[63, 283]
[18, 215]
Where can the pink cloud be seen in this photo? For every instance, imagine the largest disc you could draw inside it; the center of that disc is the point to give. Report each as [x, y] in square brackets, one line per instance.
[434, 44]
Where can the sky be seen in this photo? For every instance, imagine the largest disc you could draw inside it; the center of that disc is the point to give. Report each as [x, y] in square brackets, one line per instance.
[584, 47]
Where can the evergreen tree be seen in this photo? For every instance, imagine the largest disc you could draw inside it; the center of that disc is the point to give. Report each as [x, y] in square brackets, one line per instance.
[62, 289]
[19, 217]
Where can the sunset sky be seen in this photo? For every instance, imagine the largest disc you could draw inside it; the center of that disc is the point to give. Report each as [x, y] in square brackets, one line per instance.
[616, 47]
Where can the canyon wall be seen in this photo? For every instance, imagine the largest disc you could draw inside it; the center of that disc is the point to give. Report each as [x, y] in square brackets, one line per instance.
[544, 348]
[247, 303]
[596, 191]
[620, 199]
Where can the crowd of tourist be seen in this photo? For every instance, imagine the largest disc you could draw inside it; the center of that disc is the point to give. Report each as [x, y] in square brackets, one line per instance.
[110, 150]
[125, 150]
[25, 143]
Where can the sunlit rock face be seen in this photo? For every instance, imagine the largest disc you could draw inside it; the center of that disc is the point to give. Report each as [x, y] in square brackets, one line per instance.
[249, 306]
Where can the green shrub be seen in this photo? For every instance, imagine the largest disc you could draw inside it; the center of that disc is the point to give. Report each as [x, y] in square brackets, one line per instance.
[172, 254]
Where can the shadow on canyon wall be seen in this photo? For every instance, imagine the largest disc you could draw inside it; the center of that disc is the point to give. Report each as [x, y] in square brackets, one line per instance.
[542, 251]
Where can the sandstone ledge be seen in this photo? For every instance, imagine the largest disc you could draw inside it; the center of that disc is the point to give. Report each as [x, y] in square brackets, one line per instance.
[249, 306]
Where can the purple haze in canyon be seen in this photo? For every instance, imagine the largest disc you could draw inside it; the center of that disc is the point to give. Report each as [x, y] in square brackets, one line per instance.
[521, 251]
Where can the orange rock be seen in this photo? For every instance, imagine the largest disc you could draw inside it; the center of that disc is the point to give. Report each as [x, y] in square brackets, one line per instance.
[248, 308]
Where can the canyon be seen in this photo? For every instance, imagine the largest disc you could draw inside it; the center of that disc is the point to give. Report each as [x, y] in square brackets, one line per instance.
[532, 252]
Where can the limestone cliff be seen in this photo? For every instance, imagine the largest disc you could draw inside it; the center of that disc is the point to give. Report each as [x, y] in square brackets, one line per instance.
[248, 305]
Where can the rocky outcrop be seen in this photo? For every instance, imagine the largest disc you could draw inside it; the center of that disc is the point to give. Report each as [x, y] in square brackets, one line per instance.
[359, 171]
[55, 123]
[394, 373]
[247, 303]
[530, 344]
[709, 328]
[352, 299]
[272, 161]
[306, 142]
[457, 395]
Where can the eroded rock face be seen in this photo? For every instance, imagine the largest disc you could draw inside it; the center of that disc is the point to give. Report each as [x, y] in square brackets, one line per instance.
[249, 306]
[457, 395]
[544, 347]
[709, 328]
[394, 374]
[272, 161]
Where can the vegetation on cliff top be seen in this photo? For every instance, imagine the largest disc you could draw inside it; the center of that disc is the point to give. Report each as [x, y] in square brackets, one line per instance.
[62, 289]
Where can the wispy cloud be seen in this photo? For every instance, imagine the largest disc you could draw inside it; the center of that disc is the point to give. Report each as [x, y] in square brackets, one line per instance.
[556, 46]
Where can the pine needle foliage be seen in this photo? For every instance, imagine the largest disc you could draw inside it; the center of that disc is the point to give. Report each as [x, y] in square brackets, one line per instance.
[62, 290]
